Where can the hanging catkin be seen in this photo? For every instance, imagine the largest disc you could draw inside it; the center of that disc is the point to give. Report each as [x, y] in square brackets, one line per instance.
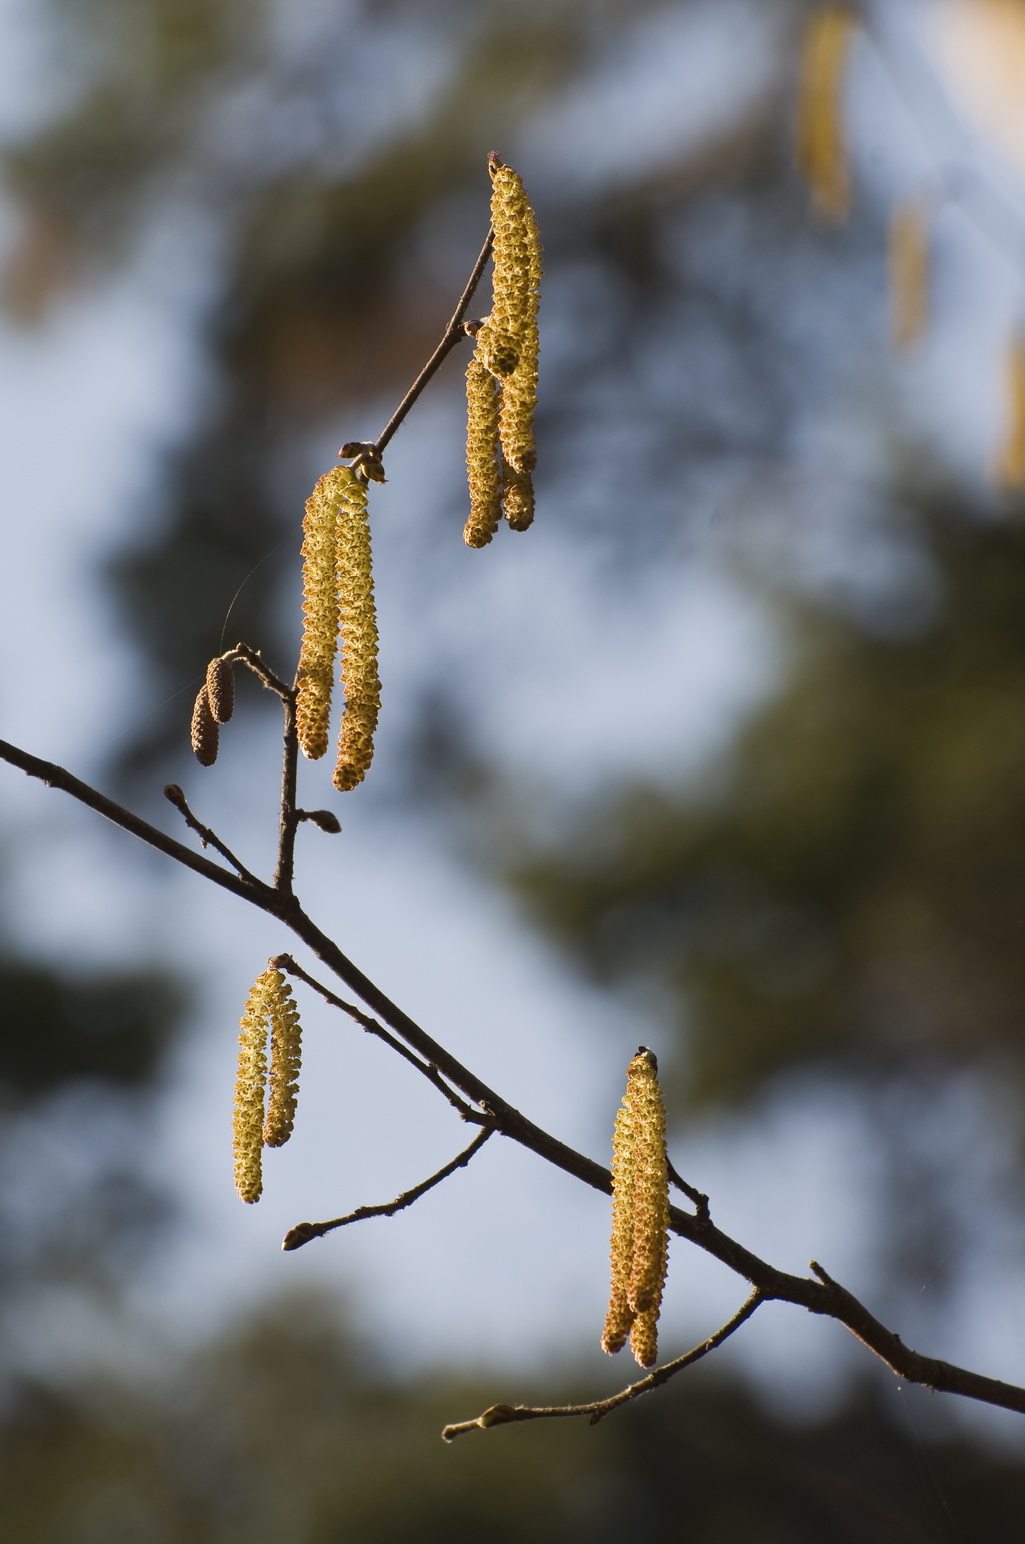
[909, 273]
[269, 1004]
[315, 674]
[285, 1065]
[204, 731]
[821, 145]
[508, 344]
[359, 637]
[1011, 465]
[482, 469]
[640, 1214]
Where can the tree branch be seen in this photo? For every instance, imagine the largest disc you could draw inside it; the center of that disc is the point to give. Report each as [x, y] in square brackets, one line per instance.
[597, 1409]
[301, 1234]
[822, 1296]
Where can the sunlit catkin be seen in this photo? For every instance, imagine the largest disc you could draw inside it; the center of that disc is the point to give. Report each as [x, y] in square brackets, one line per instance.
[251, 1087]
[517, 498]
[204, 732]
[909, 273]
[285, 1062]
[821, 144]
[512, 327]
[359, 637]
[640, 1214]
[1011, 465]
[482, 465]
[315, 674]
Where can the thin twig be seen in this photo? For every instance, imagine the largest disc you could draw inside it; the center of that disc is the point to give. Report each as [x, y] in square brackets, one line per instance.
[288, 815]
[452, 335]
[597, 1409]
[426, 1069]
[176, 796]
[303, 1232]
[697, 1196]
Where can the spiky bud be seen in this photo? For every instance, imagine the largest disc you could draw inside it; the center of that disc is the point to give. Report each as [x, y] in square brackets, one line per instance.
[204, 730]
[220, 689]
[1011, 466]
[359, 637]
[640, 1214]
[285, 1062]
[909, 273]
[482, 469]
[821, 146]
[315, 673]
[512, 327]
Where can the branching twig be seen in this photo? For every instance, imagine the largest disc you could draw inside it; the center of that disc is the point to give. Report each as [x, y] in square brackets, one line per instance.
[301, 1234]
[822, 1296]
[175, 795]
[426, 1069]
[697, 1196]
[597, 1409]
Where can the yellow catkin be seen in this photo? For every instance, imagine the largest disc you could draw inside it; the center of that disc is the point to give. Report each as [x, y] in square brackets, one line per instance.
[204, 730]
[909, 273]
[482, 469]
[511, 330]
[640, 1214]
[250, 1088]
[285, 1063]
[315, 675]
[220, 689]
[821, 145]
[359, 638]
[1011, 464]
[517, 498]
[620, 1317]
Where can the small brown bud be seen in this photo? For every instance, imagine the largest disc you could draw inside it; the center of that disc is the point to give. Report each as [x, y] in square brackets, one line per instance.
[220, 689]
[325, 819]
[204, 730]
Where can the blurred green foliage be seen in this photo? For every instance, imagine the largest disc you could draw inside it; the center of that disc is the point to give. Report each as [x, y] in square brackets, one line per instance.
[285, 1433]
[846, 890]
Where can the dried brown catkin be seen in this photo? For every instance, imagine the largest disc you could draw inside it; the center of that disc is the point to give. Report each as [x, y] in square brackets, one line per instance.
[821, 144]
[204, 730]
[640, 1214]
[220, 689]
[359, 637]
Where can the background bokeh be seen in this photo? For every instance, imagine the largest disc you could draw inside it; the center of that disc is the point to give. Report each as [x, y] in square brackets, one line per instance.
[726, 755]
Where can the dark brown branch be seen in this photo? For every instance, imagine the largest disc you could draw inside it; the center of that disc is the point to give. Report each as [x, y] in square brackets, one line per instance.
[697, 1196]
[821, 1297]
[303, 1232]
[426, 1069]
[597, 1409]
[452, 335]
[175, 795]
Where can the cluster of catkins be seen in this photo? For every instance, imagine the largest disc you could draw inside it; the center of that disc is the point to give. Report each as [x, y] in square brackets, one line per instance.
[823, 159]
[265, 1107]
[640, 1214]
[501, 379]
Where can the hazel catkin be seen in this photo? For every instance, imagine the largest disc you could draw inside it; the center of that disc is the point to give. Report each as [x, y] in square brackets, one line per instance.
[315, 673]
[359, 637]
[821, 144]
[640, 1214]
